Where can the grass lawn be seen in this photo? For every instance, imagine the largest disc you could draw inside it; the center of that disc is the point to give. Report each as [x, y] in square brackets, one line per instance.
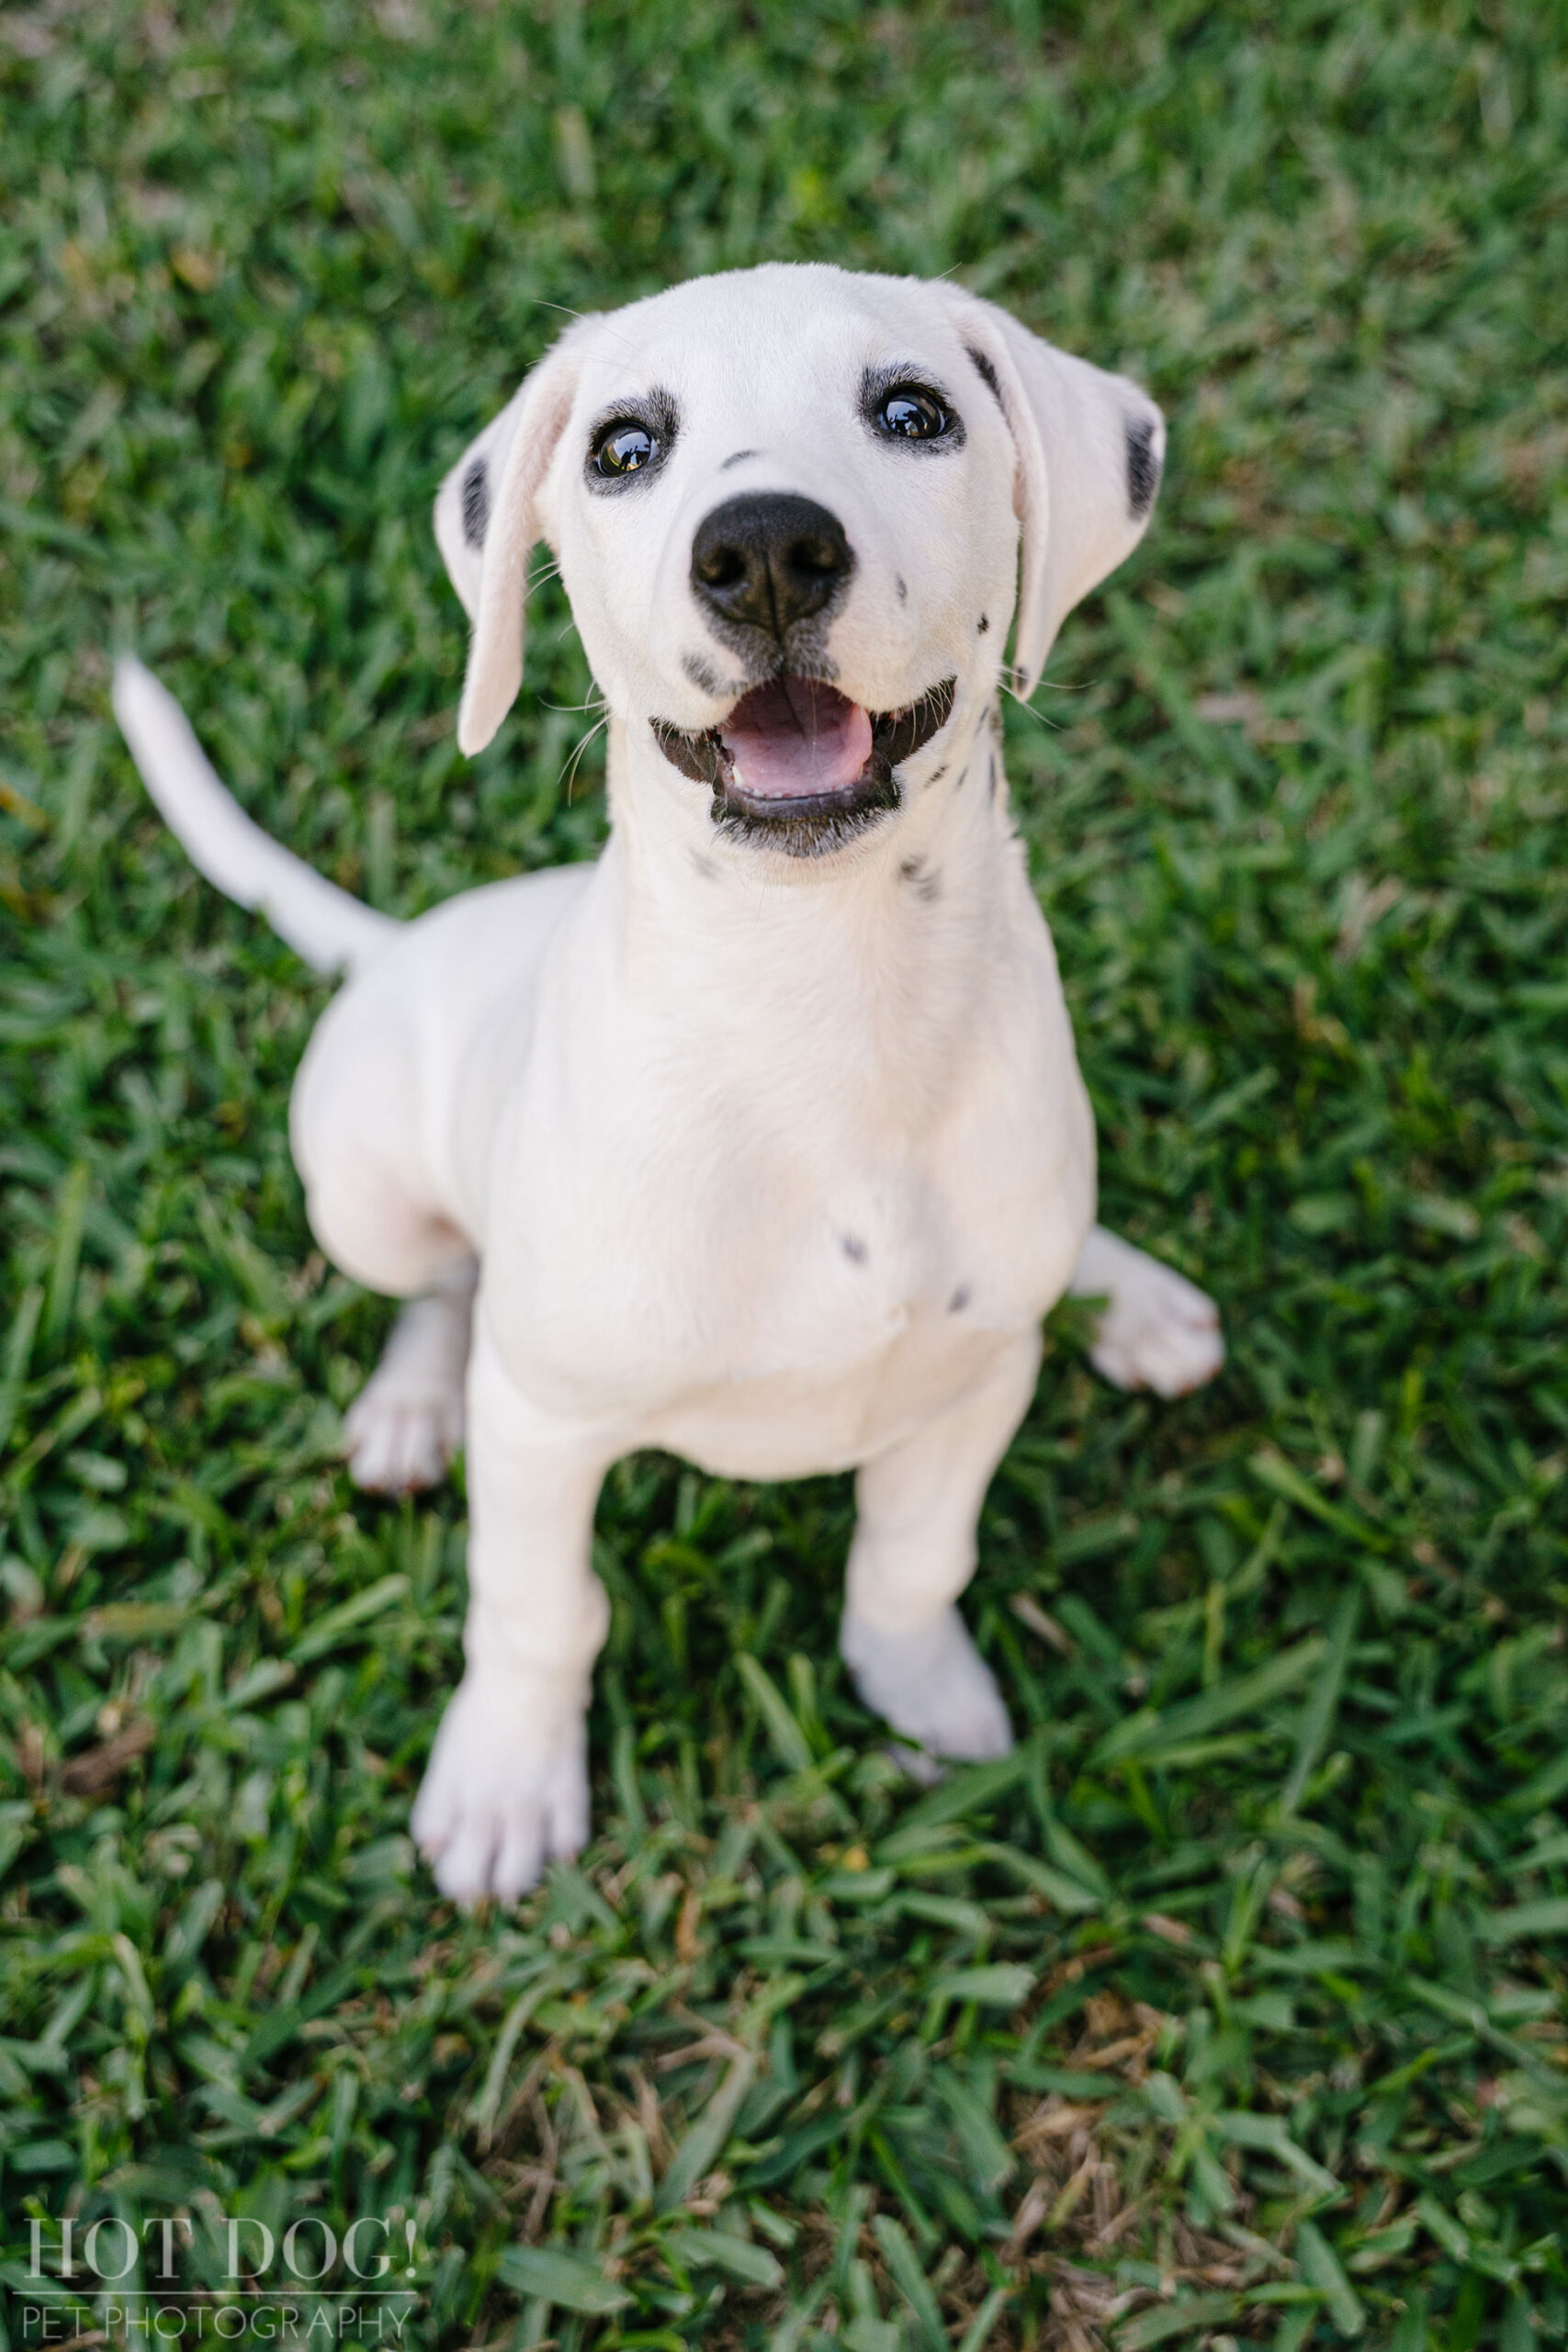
[1234, 2004]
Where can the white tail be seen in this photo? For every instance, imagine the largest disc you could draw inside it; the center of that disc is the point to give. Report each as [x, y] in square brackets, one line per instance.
[320, 922]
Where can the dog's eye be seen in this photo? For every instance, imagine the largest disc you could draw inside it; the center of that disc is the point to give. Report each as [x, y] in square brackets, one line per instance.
[911, 414]
[624, 447]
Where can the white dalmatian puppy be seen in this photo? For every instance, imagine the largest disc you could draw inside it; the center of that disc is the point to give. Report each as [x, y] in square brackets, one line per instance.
[762, 1138]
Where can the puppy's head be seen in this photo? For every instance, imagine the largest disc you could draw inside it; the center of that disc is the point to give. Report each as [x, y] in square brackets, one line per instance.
[794, 509]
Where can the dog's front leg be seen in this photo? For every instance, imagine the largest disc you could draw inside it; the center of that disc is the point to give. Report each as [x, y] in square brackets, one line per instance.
[1158, 1331]
[507, 1785]
[913, 1553]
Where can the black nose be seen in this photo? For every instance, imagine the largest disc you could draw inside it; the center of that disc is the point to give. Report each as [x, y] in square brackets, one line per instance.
[769, 560]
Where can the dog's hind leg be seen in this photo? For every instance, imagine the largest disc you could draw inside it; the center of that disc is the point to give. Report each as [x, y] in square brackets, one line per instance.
[1158, 1331]
[359, 1126]
[407, 1422]
[917, 1507]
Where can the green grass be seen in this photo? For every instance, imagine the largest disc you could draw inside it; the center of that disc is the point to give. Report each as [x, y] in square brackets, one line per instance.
[1235, 2003]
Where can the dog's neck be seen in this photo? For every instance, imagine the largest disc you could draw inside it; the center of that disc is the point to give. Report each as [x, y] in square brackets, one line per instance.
[864, 970]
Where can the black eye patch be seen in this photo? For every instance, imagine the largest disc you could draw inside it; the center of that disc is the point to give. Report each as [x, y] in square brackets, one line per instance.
[901, 406]
[630, 442]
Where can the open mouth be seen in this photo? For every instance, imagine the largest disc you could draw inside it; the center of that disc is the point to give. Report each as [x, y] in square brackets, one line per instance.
[797, 762]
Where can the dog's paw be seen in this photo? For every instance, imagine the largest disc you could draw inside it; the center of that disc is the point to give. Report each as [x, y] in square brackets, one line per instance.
[502, 1796]
[933, 1686]
[1158, 1332]
[401, 1431]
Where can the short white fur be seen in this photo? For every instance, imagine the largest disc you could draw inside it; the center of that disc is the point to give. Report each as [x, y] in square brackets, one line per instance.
[776, 1162]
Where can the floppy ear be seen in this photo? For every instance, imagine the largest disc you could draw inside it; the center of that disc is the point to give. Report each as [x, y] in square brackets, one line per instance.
[1089, 448]
[487, 521]
[463, 500]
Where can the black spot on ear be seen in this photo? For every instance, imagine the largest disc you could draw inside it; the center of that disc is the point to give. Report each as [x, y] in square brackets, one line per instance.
[476, 503]
[960, 1300]
[854, 1248]
[987, 374]
[1143, 466]
[984, 625]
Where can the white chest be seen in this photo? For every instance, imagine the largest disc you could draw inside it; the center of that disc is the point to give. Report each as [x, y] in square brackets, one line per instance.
[770, 1312]
[887, 1307]
[769, 1196]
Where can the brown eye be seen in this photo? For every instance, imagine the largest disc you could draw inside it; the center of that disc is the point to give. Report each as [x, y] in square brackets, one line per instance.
[623, 448]
[909, 412]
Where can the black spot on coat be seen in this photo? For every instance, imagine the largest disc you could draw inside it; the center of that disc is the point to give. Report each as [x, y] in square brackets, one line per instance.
[1143, 466]
[987, 374]
[701, 673]
[476, 503]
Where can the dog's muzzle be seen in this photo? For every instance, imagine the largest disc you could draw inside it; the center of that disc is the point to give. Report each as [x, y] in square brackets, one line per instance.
[800, 766]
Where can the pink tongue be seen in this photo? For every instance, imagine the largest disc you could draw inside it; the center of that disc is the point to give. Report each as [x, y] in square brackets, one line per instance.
[796, 737]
